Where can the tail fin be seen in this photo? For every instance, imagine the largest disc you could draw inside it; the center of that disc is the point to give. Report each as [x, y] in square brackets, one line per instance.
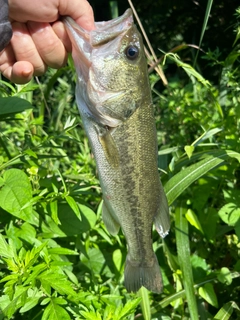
[138, 276]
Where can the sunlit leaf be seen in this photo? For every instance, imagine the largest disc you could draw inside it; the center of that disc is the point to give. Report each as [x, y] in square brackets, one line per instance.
[15, 194]
[207, 293]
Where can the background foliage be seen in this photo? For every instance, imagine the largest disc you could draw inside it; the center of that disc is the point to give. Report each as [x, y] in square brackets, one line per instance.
[57, 260]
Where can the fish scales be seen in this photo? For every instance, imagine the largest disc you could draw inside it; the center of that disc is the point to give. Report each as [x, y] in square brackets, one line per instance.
[114, 99]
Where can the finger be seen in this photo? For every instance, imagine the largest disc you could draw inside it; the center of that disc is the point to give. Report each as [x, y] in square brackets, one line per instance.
[25, 49]
[62, 34]
[22, 72]
[49, 46]
[34, 10]
[80, 11]
[19, 72]
[48, 11]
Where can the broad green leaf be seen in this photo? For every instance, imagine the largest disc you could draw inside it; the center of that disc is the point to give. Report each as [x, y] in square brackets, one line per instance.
[70, 224]
[13, 105]
[207, 293]
[183, 249]
[225, 276]
[96, 262]
[230, 213]
[199, 267]
[183, 179]
[226, 311]
[15, 194]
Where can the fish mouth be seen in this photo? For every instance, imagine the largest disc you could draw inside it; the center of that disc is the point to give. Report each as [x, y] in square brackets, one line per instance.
[84, 41]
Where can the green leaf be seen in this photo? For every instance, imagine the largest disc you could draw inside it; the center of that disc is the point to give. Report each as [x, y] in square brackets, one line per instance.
[145, 303]
[32, 256]
[55, 312]
[70, 224]
[57, 281]
[189, 150]
[129, 308]
[26, 232]
[191, 72]
[54, 211]
[96, 262]
[206, 17]
[13, 105]
[73, 205]
[230, 213]
[225, 276]
[118, 259]
[5, 250]
[183, 248]
[193, 220]
[62, 251]
[208, 294]
[183, 179]
[18, 300]
[32, 300]
[91, 315]
[15, 194]
[226, 311]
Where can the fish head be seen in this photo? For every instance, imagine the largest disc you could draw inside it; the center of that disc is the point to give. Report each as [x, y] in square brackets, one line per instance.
[111, 68]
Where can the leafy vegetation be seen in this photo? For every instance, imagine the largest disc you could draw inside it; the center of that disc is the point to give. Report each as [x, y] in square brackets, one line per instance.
[57, 260]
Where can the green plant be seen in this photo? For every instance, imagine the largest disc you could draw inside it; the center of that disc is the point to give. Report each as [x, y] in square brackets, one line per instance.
[57, 260]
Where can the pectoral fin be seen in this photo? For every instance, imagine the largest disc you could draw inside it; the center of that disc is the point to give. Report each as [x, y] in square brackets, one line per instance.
[162, 218]
[109, 147]
[111, 224]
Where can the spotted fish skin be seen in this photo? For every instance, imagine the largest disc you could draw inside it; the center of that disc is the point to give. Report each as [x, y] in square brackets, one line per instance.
[114, 99]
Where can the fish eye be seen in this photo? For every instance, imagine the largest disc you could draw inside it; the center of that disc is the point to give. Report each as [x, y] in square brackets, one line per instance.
[132, 52]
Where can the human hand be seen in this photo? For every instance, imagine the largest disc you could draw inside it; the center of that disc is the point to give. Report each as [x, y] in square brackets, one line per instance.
[39, 37]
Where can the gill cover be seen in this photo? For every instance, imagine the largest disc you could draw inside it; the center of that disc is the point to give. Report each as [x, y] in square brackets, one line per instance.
[107, 60]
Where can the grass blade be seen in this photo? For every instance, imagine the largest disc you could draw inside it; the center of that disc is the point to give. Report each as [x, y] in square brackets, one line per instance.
[145, 303]
[207, 14]
[157, 67]
[183, 248]
[226, 311]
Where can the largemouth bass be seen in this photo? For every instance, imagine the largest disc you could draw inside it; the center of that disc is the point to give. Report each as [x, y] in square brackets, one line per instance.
[114, 99]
